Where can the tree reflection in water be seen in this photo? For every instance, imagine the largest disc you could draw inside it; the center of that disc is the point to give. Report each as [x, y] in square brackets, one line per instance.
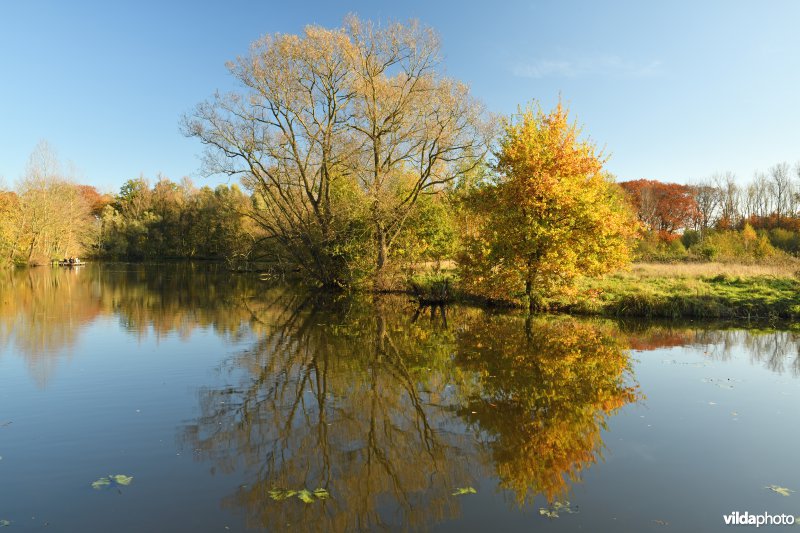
[41, 315]
[347, 396]
[547, 389]
[44, 311]
[390, 413]
[388, 407]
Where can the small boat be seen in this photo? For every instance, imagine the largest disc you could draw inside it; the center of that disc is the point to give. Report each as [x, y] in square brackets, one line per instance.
[73, 264]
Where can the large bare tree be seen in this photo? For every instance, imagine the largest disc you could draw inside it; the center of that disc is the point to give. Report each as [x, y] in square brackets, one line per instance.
[338, 121]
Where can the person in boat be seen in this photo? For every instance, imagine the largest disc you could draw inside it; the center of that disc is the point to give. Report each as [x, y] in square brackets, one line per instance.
[71, 260]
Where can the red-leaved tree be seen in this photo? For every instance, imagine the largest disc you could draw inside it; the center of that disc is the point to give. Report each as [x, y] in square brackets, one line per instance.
[665, 208]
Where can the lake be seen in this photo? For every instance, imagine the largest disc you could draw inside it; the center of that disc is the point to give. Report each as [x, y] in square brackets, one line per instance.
[185, 398]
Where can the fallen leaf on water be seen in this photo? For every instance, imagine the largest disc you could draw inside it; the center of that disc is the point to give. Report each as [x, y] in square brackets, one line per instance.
[279, 495]
[464, 490]
[305, 496]
[101, 483]
[122, 479]
[783, 491]
[556, 508]
[119, 480]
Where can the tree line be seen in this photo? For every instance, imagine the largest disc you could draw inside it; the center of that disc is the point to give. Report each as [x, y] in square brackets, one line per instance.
[49, 216]
[718, 218]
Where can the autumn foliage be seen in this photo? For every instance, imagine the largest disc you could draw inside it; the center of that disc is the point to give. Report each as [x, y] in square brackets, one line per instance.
[664, 208]
[555, 382]
[552, 214]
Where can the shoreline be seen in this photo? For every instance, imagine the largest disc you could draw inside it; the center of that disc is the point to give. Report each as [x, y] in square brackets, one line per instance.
[709, 291]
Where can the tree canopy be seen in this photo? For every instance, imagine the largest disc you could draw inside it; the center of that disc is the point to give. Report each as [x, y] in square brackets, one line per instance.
[551, 214]
[338, 132]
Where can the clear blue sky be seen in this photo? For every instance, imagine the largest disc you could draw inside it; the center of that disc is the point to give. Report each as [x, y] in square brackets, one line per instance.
[674, 90]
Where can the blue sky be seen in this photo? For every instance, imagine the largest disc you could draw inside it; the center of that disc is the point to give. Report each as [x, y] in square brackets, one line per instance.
[674, 90]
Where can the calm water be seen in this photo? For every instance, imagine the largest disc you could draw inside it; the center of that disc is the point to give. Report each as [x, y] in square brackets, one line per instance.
[219, 395]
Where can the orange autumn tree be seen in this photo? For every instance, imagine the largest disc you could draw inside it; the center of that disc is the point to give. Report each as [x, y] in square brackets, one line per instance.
[551, 215]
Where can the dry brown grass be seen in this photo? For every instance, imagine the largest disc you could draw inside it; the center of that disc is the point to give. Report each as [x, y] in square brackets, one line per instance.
[694, 270]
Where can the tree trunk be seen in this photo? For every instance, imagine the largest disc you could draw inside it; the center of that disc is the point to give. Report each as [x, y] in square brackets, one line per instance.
[528, 293]
[382, 250]
[534, 300]
[529, 286]
[30, 250]
[381, 282]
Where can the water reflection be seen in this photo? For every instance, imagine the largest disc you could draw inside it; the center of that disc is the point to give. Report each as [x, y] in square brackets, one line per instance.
[776, 350]
[44, 311]
[547, 388]
[388, 407]
[390, 413]
[41, 315]
[352, 397]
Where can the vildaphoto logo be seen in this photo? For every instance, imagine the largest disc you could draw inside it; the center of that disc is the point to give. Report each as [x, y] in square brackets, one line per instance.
[764, 519]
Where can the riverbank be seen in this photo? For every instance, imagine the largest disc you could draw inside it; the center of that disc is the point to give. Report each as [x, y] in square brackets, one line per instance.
[709, 290]
[687, 290]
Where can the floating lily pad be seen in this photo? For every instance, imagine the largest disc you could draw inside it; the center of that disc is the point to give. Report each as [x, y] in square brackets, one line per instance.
[101, 483]
[122, 479]
[118, 480]
[556, 508]
[783, 491]
[464, 490]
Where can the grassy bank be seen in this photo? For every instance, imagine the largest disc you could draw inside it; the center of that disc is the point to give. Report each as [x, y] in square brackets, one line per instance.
[688, 290]
[704, 290]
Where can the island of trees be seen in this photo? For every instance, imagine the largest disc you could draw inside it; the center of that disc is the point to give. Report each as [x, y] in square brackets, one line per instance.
[363, 166]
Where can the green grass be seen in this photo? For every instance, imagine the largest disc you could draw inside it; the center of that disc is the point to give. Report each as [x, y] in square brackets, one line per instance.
[673, 296]
[432, 287]
[697, 290]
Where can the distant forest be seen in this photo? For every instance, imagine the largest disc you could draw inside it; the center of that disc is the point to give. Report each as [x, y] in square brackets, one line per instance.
[48, 217]
[719, 219]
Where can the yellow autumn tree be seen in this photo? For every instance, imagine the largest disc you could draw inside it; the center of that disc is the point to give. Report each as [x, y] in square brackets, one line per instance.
[552, 214]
